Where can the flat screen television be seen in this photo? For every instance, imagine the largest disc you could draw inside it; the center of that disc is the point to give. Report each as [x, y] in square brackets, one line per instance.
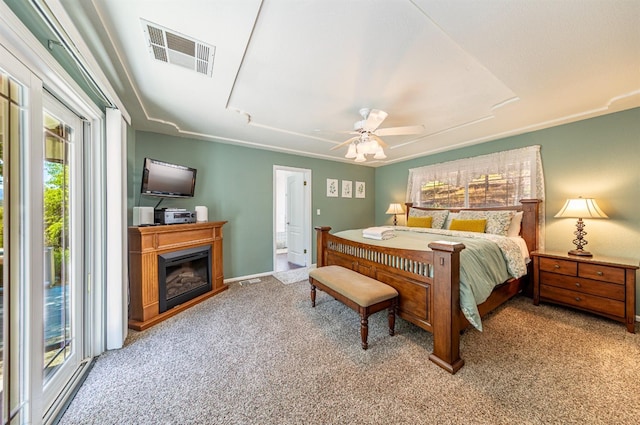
[168, 180]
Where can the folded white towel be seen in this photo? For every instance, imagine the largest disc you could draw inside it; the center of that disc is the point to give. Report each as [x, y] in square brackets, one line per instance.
[379, 238]
[379, 233]
[377, 230]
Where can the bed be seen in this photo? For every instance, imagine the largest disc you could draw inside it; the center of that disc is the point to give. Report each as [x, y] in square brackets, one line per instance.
[428, 281]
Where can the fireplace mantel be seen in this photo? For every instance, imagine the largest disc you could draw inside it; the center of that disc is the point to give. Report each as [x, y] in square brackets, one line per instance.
[145, 244]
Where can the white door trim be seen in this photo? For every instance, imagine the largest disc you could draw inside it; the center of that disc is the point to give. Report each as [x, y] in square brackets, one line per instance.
[307, 210]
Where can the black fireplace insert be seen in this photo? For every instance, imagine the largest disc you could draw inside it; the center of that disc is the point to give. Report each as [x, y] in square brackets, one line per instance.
[183, 275]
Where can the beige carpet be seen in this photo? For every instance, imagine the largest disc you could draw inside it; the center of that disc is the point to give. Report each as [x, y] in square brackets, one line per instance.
[259, 354]
[293, 276]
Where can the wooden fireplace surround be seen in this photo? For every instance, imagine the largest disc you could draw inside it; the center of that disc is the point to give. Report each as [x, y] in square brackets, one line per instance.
[145, 245]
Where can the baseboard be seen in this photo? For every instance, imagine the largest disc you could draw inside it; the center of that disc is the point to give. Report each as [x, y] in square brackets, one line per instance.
[250, 276]
[637, 318]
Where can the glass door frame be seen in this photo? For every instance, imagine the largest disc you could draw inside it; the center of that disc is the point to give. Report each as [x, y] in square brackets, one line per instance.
[54, 384]
[23, 396]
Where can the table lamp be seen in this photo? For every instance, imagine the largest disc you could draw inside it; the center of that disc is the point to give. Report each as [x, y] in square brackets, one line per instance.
[395, 209]
[580, 208]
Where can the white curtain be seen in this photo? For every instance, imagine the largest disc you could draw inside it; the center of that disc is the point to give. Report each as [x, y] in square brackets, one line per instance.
[116, 240]
[523, 165]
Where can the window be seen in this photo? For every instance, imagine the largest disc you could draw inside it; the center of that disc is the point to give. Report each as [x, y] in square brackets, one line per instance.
[494, 180]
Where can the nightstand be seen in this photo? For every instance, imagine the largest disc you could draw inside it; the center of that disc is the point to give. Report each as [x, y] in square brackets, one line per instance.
[600, 285]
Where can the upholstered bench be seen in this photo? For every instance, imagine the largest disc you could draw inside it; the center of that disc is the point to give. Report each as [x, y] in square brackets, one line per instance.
[359, 292]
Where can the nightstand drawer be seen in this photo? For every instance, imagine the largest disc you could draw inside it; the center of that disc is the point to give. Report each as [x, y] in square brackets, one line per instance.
[559, 266]
[582, 300]
[587, 286]
[600, 285]
[598, 272]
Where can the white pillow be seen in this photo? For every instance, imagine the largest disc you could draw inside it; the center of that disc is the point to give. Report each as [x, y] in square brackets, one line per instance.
[450, 217]
[514, 226]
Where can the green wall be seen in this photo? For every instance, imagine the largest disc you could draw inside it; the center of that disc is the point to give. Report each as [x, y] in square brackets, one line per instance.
[236, 184]
[598, 158]
[132, 192]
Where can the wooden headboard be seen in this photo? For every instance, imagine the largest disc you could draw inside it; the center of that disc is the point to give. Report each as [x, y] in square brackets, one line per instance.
[530, 217]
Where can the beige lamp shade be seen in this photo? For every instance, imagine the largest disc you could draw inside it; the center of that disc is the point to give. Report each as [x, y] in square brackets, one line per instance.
[395, 209]
[581, 208]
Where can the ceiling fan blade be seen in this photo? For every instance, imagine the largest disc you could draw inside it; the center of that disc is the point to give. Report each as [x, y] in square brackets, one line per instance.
[374, 119]
[400, 131]
[379, 140]
[346, 142]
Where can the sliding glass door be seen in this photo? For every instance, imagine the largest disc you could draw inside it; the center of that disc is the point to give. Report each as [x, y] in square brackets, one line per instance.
[12, 306]
[43, 292]
[63, 258]
[10, 95]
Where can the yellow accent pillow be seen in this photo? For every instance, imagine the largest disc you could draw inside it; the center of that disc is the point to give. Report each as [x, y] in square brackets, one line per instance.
[468, 225]
[419, 221]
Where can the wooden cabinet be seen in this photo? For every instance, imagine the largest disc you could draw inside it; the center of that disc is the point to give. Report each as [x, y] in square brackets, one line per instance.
[604, 286]
[145, 245]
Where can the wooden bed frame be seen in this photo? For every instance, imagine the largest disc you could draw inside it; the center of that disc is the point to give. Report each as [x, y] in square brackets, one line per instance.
[433, 303]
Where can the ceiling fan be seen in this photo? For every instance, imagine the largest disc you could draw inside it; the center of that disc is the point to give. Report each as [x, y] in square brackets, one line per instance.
[368, 141]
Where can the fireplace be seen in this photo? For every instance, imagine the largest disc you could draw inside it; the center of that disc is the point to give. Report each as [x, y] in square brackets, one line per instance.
[183, 275]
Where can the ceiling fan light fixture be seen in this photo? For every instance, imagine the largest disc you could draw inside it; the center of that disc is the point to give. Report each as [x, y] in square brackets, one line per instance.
[379, 153]
[367, 146]
[367, 139]
[351, 153]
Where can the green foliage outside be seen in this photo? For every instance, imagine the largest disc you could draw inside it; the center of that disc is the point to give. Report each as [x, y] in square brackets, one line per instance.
[56, 215]
[1, 226]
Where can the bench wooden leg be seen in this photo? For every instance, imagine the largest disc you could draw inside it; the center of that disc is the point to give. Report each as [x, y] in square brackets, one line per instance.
[364, 330]
[392, 319]
[364, 312]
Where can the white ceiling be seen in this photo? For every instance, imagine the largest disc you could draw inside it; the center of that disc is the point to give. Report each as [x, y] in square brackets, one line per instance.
[291, 75]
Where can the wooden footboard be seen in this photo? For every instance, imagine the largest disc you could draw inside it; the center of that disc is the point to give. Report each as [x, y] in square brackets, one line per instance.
[428, 282]
[433, 303]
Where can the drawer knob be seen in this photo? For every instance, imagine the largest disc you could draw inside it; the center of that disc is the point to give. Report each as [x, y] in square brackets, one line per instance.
[599, 273]
[578, 299]
[556, 266]
[578, 284]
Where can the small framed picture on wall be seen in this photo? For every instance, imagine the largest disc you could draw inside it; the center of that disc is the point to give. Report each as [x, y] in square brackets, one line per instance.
[332, 188]
[360, 190]
[346, 188]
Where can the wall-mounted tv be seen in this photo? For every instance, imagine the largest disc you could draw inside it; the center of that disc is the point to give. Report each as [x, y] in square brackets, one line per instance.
[169, 180]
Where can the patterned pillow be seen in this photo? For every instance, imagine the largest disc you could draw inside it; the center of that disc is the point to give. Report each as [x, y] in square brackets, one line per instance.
[468, 225]
[419, 221]
[497, 221]
[439, 216]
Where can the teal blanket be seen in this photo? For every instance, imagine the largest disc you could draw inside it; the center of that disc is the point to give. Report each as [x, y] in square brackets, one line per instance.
[486, 261]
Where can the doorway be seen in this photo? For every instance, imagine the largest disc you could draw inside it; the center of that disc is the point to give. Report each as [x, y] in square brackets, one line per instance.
[292, 218]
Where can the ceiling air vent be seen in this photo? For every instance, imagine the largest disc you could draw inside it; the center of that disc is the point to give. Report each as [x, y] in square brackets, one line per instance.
[168, 46]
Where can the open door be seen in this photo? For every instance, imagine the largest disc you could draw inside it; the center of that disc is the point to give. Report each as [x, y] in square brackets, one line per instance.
[295, 220]
[292, 218]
